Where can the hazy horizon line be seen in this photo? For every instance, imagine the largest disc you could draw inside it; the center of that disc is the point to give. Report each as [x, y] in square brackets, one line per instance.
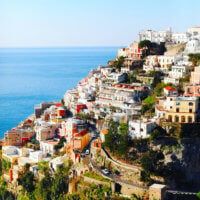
[74, 46]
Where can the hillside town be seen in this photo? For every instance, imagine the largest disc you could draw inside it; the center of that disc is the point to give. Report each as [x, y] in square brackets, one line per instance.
[131, 127]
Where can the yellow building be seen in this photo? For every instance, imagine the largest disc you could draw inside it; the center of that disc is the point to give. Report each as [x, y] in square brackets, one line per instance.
[181, 109]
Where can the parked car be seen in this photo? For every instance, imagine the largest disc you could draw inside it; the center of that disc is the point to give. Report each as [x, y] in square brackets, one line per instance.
[105, 171]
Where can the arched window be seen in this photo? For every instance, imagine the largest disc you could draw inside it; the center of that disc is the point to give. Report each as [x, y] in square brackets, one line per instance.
[170, 118]
[176, 118]
[183, 119]
[189, 119]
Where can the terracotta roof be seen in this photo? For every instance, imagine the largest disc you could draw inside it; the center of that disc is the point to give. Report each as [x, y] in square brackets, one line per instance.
[169, 88]
[104, 131]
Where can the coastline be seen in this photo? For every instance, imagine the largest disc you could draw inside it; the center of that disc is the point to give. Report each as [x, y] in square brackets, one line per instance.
[21, 95]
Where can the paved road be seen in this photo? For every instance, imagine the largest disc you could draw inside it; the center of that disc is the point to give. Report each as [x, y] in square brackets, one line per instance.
[114, 177]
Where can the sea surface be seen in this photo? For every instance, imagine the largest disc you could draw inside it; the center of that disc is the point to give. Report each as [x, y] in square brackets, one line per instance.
[29, 76]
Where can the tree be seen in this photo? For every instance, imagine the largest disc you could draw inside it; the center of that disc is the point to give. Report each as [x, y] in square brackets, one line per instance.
[145, 44]
[118, 63]
[59, 185]
[43, 166]
[194, 58]
[43, 188]
[118, 135]
[27, 181]
[4, 193]
[151, 162]
[198, 195]
[148, 104]
[72, 197]
[123, 138]
[111, 137]
[95, 192]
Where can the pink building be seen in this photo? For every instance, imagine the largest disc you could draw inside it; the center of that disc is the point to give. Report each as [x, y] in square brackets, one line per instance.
[193, 89]
[135, 51]
[195, 76]
[17, 137]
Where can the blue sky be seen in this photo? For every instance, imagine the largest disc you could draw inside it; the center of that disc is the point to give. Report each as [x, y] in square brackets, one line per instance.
[38, 23]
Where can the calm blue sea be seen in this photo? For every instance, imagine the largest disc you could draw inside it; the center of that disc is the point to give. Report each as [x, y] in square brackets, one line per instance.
[30, 76]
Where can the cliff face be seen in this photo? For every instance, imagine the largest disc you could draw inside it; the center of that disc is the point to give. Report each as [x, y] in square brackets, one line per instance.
[191, 160]
[181, 168]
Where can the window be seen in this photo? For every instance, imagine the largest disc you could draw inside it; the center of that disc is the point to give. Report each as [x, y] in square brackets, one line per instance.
[177, 103]
[177, 110]
[141, 129]
[190, 110]
[170, 118]
[183, 119]
[176, 119]
[189, 119]
[190, 104]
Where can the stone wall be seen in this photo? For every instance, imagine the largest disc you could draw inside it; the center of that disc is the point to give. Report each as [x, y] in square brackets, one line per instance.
[128, 190]
[95, 181]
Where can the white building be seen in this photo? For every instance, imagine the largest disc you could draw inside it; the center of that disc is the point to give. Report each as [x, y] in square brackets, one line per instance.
[193, 46]
[178, 71]
[174, 81]
[36, 156]
[123, 52]
[56, 162]
[156, 36]
[194, 31]
[170, 91]
[165, 61]
[141, 128]
[178, 38]
[162, 62]
[48, 147]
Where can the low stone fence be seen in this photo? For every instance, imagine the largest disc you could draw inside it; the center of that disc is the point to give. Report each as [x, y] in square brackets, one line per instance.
[95, 181]
[120, 164]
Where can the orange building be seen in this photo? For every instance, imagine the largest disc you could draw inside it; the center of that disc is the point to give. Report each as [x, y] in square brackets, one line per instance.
[81, 140]
[103, 133]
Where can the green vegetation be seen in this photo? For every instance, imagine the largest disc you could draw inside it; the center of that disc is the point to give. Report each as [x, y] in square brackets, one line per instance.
[152, 48]
[145, 44]
[198, 195]
[194, 58]
[43, 167]
[93, 192]
[51, 186]
[96, 176]
[60, 144]
[27, 181]
[148, 105]
[4, 193]
[5, 165]
[118, 135]
[151, 163]
[85, 116]
[118, 63]
[149, 102]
